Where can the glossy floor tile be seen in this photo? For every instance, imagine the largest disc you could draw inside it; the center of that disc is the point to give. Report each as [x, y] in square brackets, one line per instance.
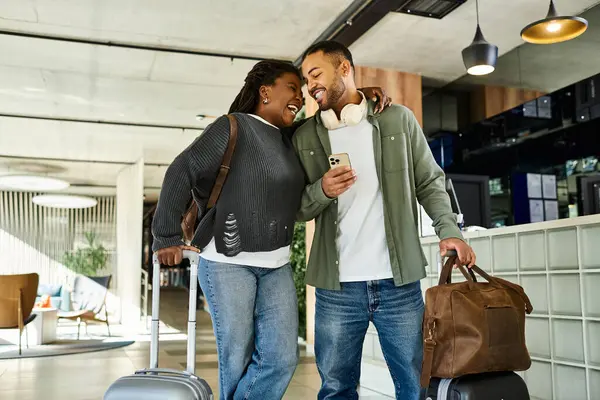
[87, 376]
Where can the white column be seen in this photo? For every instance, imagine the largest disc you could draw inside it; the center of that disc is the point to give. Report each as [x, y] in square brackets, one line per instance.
[130, 203]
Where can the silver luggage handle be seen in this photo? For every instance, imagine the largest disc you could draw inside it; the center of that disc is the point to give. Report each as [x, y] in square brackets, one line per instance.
[187, 254]
[165, 371]
[162, 371]
[194, 259]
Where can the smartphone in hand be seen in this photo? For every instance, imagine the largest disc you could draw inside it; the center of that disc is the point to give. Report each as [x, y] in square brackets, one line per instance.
[339, 160]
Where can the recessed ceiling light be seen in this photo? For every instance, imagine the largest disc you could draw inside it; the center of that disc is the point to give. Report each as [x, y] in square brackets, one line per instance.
[32, 183]
[64, 201]
[200, 117]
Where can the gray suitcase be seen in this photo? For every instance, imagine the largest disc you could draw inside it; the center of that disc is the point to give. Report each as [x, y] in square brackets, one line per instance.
[158, 383]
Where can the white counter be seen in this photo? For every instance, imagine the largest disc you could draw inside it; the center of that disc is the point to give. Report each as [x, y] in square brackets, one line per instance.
[558, 264]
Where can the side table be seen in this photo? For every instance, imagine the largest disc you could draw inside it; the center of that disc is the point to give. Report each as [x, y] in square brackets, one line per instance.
[42, 329]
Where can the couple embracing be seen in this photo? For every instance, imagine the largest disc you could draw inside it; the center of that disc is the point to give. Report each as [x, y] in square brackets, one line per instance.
[366, 261]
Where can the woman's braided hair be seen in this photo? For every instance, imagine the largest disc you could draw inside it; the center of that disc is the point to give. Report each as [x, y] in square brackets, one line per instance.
[263, 73]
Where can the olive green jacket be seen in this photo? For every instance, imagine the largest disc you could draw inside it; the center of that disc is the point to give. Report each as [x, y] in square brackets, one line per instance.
[407, 174]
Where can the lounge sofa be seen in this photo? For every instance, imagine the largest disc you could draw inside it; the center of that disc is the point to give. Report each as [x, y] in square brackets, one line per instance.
[60, 297]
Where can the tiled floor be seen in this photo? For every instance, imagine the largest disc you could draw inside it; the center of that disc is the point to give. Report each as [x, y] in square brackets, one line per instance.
[87, 376]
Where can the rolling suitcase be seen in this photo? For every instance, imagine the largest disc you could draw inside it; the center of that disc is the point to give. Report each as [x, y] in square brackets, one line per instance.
[486, 386]
[158, 383]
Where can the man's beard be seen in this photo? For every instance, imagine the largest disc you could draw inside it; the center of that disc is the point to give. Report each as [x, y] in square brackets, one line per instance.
[334, 94]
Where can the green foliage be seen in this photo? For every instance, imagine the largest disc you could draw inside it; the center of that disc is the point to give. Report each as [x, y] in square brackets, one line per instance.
[298, 261]
[87, 260]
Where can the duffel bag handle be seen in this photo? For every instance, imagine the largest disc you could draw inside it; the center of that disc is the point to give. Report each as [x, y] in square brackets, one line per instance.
[446, 274]
[445, 278]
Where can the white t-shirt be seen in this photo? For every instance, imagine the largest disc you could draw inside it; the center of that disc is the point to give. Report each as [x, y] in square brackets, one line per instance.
[268, 259]
[361, 239]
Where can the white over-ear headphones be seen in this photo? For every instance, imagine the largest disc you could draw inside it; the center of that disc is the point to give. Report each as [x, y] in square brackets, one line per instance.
[351, 114]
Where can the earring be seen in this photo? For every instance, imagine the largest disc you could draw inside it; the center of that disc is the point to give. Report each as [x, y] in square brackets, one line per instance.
[265, 101]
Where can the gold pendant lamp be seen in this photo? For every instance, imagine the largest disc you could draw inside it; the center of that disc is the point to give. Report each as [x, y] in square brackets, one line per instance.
[554, 28]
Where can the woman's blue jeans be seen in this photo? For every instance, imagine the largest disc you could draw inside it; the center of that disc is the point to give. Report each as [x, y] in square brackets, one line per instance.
[255, 319]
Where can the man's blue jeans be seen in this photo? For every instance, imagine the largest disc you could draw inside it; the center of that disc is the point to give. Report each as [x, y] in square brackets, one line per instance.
[255, 319]
[341, 322]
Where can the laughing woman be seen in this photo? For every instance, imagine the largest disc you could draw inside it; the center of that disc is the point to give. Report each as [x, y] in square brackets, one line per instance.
[244, 269]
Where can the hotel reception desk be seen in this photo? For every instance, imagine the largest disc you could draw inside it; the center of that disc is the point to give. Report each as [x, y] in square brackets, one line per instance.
[558, 265]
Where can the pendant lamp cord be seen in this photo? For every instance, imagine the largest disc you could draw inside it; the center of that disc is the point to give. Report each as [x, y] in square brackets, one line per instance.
[477, 10]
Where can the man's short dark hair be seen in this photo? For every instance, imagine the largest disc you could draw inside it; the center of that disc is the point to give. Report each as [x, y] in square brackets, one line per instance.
[336, 50]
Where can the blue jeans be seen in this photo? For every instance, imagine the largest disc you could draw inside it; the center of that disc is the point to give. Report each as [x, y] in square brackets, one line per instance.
[255, 319]
[341, 322]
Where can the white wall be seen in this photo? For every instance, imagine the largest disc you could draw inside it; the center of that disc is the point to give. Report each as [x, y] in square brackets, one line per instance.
[35, 238]
[130, 192]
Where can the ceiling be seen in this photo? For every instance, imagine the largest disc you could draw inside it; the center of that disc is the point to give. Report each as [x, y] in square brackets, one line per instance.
[147, 90]
[89, 156]
[78, 81]
[432, 47]
[267, 28]
[46, 77]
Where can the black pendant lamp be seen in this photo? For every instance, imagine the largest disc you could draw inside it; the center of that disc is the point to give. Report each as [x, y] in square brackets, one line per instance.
[554, 28]
[480, 56]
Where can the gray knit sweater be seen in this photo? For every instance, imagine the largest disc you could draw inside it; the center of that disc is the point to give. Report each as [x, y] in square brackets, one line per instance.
[258, 204]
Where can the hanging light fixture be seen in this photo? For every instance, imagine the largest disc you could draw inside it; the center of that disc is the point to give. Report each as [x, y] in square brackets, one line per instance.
[480, 56]
[32, 183]
[554, 28]
[64, 201]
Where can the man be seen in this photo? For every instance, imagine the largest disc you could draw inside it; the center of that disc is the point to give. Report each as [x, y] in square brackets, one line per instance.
[366, 260]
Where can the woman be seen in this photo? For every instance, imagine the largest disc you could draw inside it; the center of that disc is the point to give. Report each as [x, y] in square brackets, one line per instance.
[244, 270]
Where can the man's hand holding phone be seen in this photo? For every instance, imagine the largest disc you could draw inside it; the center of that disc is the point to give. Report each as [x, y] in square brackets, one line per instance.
[338, 180]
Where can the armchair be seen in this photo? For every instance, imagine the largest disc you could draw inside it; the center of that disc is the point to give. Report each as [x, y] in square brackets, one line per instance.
[17, 297]
[89, 300]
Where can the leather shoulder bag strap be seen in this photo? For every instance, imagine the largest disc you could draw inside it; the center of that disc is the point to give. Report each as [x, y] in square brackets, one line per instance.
[429, 344]
[225, 163]
[506, 284]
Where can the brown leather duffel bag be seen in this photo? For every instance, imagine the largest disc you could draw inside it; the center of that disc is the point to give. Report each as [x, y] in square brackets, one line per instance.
[473, 327]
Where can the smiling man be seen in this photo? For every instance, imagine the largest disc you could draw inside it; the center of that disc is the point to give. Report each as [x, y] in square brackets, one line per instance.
[366, 260]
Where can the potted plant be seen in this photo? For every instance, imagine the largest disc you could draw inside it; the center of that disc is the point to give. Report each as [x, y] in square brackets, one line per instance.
[87, 260]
